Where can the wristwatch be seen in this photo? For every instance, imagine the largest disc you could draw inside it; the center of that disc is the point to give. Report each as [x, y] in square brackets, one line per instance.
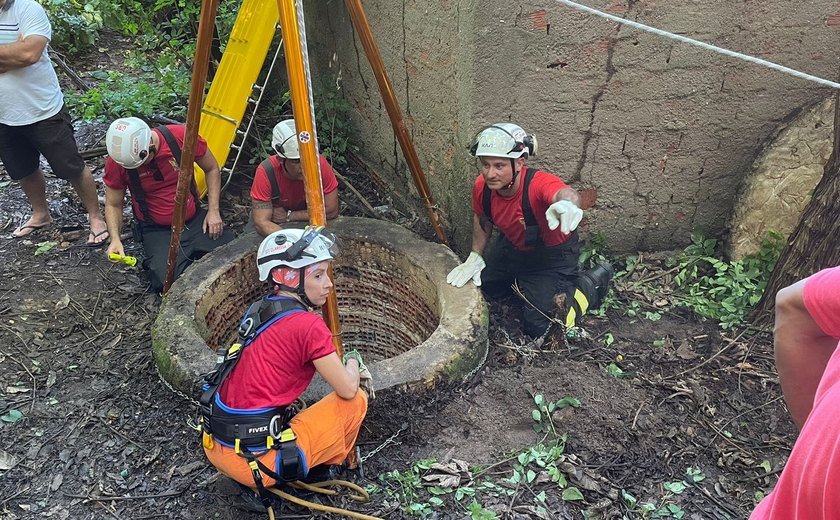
[288, 215]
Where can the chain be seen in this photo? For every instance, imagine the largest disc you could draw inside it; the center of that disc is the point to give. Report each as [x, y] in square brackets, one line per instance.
[173, 389]
[388, 442]
[480, 363]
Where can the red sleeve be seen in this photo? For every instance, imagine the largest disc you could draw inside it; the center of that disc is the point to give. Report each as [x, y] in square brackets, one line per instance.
[821, 295]
[200, 147]
[477, 193]
[115, 175]
[547, 185]
[318, 339]
[328, 180]
[261, 187]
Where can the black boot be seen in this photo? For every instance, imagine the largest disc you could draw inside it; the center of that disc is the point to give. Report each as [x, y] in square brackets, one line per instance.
[595, 283]
[323, 472]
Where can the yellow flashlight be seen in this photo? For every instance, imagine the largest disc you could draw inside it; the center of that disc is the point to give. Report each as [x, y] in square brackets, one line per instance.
[127, 260]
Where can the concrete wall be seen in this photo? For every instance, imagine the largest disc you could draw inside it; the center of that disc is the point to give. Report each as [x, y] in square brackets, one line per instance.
[665, 132]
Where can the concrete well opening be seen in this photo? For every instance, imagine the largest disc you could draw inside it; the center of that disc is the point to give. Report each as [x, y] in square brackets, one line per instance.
[394, 306]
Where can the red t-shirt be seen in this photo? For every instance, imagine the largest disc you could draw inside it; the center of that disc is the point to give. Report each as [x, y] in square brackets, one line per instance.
[160, 194]
[292, 195]
[507, 211]
[806, 488]
[277, 366]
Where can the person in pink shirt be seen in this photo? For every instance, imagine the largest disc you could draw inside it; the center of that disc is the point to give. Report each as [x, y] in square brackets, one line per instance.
[808, 361]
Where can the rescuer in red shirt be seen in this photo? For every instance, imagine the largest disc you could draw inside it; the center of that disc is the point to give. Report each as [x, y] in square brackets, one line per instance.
[252, 430]
[537, 247]
[146, 161]
[277, 194]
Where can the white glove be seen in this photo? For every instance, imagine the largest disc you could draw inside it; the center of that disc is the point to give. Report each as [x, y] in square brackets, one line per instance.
[564, 213]
[470, 269]
[366, 383]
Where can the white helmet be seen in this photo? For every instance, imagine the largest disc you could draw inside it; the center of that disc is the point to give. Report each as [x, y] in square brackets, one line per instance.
[295, 248]
[284, 139]
[128, 141]
[504, 140]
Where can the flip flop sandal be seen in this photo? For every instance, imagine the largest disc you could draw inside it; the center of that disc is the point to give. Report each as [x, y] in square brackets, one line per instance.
[97, 235]
[31, 227]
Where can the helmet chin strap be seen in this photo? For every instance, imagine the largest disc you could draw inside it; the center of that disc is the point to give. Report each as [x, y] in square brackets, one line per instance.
[300, 290]
[513, 177]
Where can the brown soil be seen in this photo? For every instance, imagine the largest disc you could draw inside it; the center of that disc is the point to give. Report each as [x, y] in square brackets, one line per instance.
[75, 360]
[102, 437]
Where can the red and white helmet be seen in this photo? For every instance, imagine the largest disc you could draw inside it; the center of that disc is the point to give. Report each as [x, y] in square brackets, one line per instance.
[504, 140]
[128, 141]
[295, 248]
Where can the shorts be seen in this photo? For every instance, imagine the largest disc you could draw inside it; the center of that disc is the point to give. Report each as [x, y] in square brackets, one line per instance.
[22, 146]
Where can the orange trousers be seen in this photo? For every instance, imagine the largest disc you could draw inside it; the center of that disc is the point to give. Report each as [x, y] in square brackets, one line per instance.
[326, 433]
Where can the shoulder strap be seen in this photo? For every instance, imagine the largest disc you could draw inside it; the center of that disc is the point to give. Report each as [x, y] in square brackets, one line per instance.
[139, 195]
[268, 166]
[267, 309]
[175, 148]
[485, 203]
[263, 313]
[532, 230]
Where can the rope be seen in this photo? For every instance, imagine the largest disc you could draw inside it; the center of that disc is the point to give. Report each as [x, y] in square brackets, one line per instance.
[362, 497]
[304, 51]
[713, 48]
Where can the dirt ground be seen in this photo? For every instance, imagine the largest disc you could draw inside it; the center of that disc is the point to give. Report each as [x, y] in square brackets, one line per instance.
[89, 431]
[100, 436]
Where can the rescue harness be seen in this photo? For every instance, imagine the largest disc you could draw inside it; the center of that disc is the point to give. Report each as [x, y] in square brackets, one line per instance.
[137, 191]
[532, 230]
[252, 432]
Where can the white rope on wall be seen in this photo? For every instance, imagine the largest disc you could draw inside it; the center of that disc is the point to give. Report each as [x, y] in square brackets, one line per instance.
[697, 43]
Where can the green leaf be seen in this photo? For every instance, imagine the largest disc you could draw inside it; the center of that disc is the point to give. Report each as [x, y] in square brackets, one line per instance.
[536, 415]
[675, 487]
[568, 401]
[531, 475]
[659, 343]
[435, 501]
[609, 339]
[614, 370]
[572, 494]
[629, 499]
[12, 416]
[43, 247]
[766, 465]
[676, 511]
[695, 475]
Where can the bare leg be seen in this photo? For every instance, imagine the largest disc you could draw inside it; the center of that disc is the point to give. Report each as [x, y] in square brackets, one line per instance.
[35, 188]
[86, 189]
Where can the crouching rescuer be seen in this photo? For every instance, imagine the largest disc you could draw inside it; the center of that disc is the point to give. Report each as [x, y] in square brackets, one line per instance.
[252, 432]
[537, 247]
